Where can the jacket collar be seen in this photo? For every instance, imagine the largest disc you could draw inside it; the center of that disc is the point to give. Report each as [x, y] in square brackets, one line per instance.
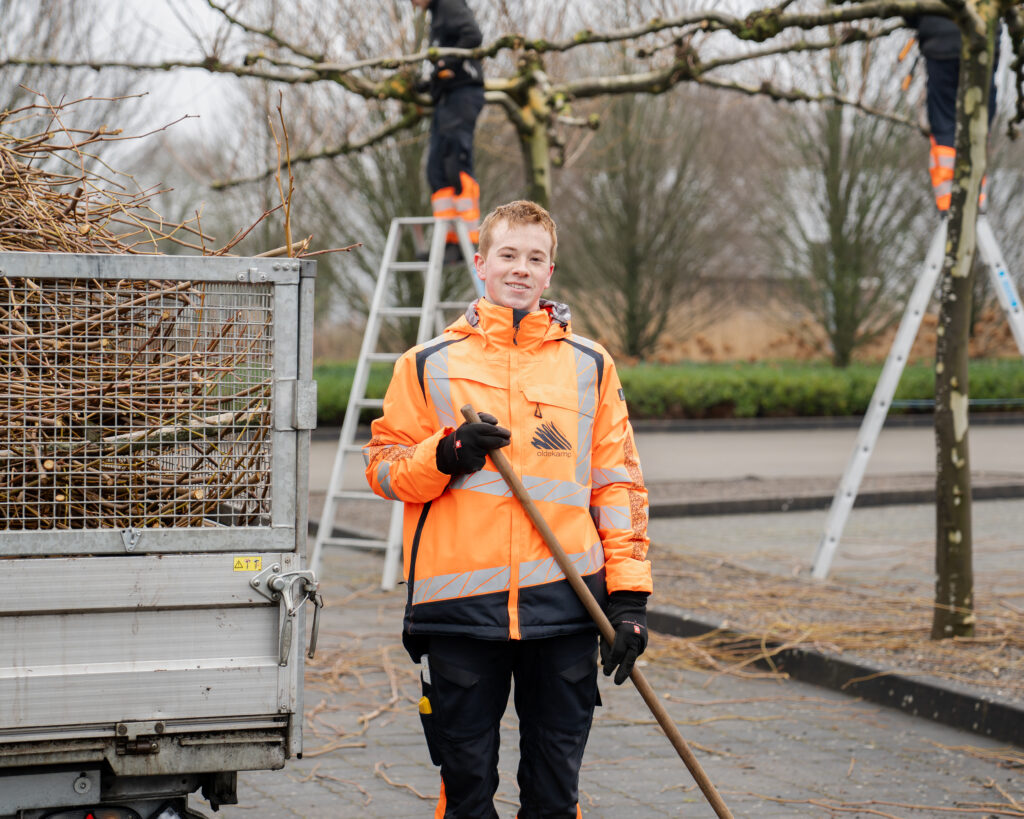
[496, 322]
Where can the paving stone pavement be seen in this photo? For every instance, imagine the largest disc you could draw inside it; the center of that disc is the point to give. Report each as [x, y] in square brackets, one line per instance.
[773, 748]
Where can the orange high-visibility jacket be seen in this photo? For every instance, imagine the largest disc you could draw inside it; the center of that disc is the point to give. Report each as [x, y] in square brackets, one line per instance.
[474, 562]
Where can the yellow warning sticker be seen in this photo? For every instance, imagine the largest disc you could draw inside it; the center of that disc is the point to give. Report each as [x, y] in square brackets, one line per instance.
[248, 564]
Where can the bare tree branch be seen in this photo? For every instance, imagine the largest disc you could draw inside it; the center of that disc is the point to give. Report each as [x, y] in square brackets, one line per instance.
[268, 32]
[410, 118]
[768, 90]
[211, 64]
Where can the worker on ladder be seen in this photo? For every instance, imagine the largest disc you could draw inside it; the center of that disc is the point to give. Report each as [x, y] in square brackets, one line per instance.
[486, 601]
[457, 88]
[939, 43]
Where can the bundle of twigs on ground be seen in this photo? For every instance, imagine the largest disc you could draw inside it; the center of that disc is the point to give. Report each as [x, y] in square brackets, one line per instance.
[126, 403]
[886, 624]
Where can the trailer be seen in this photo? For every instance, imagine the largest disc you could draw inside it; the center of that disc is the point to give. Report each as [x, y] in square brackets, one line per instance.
[154, 449]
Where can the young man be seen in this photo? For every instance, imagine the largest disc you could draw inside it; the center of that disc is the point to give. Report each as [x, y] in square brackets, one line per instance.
[457, 88]
[487, 602]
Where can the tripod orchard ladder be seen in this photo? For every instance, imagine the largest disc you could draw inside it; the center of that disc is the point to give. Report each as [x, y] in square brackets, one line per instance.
[430, 323]
[885, 389]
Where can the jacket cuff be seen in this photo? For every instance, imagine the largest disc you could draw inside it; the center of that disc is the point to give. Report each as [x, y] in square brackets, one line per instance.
[629, 576]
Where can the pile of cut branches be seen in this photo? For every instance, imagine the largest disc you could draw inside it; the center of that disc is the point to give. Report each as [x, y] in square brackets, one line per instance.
[126, 403]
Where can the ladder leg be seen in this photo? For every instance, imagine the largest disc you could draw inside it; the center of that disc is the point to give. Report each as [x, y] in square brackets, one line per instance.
[881, 399]
[1005, 289]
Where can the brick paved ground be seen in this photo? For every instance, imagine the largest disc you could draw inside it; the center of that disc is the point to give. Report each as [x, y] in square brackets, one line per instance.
[774, 749]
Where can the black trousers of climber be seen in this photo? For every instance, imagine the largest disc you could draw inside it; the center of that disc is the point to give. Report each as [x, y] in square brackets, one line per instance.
[555, 696]
[943, 81]
[451, 136]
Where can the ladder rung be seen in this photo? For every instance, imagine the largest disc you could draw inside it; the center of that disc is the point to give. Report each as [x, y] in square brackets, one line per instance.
[356, 494]
[358, 542]
[453, 305]
[412, 312]
[353, 447]
[383, 356]
[414, 266]
[368, 403]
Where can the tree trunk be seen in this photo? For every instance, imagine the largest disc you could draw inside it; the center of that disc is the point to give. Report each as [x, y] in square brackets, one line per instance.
[538, 151]
[953, 613]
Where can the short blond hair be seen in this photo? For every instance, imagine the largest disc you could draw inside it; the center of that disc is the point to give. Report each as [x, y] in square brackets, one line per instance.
[519, 212]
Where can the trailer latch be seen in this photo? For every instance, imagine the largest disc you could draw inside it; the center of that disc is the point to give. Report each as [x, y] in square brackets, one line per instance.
[291, 589]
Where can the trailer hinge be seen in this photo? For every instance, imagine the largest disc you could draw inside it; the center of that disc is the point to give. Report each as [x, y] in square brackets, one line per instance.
[294, 404]
[131, 537]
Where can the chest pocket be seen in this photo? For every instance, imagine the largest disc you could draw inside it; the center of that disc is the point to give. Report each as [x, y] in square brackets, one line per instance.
[552, 396]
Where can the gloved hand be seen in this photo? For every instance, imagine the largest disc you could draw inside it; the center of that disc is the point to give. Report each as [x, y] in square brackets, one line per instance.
[465, 449]
[627, 611]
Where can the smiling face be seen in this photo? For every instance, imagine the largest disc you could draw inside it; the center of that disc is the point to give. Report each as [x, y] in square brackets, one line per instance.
[517, 266]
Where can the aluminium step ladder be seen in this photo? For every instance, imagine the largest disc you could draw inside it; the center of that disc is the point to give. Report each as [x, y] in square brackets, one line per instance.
[885, 389]
[431, 322]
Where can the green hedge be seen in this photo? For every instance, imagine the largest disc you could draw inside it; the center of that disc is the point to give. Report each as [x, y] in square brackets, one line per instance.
[766, 390]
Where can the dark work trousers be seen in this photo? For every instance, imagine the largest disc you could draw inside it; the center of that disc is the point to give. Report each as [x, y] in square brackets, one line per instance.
[943, 81]
[555, 695]
[451, 136]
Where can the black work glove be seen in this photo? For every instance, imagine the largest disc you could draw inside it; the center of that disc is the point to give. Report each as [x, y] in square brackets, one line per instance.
[465, 449]
[627, 611]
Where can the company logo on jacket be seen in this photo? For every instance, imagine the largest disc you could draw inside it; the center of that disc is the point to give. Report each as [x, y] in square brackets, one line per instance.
[549, 440]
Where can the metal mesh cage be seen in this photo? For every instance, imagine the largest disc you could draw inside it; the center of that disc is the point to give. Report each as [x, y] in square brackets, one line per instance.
[134, 403]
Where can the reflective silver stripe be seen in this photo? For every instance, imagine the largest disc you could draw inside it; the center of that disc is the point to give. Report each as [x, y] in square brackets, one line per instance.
[539, 489]
[384, 479]
[603, 477]
[442, 204]
[945, 160]
[611, 517]
[489, 581]
[435, 371]
[943, 188]
[586, 388]
[546, 570]
[462, 584]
